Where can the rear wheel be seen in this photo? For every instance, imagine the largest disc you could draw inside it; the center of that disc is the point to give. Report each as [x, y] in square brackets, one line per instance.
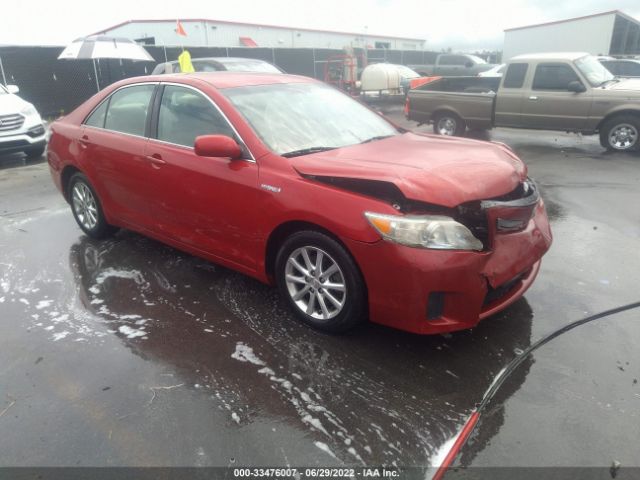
[87, 209]
[320, 281]
[449, 124]
[621, 133]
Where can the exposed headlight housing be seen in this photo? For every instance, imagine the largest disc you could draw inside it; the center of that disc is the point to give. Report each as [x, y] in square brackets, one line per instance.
[29, 110]
[424, 231]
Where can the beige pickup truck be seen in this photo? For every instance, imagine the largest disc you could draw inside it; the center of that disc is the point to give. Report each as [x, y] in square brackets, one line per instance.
[570, 92]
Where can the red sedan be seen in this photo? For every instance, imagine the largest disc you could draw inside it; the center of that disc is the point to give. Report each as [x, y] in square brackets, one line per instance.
[290, 181]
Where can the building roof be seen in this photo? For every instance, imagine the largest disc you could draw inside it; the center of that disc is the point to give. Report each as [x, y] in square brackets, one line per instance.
[550, 56]
[610, 12]
[227, 22]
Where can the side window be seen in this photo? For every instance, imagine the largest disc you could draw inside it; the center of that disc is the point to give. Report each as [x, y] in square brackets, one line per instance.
[186, 114]
[514, 78]
[452, 60]
[553, 76]
[96, 119]
[128, 109]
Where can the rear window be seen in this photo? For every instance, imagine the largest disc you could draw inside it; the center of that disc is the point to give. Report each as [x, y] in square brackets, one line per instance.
[514, 78]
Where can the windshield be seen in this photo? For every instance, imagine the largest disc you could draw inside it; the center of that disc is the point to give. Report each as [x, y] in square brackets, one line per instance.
[263, 67]
[595, 73]
[298, 116]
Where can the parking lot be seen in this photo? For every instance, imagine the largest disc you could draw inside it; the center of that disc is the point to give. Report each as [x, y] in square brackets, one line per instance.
[127, 352]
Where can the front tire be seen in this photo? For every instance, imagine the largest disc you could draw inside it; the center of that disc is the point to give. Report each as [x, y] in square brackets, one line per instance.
[621, 134]
[321, 282]
[449, 124]
[87, 209]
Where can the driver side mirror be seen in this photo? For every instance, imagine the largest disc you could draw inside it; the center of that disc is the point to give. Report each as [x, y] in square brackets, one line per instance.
[576, 87]
[13, 89]
[468, 64]
[217, 146]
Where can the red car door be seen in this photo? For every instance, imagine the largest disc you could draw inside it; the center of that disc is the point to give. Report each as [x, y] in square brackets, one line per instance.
[113, 154]
[206, 203]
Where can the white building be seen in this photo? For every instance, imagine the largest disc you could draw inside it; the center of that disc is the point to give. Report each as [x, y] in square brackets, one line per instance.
[217, 33]
[608, 33]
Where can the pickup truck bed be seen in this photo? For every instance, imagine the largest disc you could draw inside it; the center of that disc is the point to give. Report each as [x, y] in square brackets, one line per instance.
[471, 98]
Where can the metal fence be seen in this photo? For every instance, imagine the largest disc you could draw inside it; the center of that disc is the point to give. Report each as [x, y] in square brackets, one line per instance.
[58, 86]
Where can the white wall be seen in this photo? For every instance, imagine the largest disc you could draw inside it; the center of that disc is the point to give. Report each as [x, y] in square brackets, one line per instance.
[592, 35]
[227, 35]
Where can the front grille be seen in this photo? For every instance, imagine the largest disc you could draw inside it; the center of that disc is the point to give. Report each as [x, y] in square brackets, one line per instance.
[11, 122]
[13, 144]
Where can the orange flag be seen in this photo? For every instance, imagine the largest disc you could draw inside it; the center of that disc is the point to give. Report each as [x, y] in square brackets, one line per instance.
[180, 29]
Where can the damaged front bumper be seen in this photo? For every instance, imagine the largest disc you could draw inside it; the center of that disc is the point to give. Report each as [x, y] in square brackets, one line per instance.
[436, 291]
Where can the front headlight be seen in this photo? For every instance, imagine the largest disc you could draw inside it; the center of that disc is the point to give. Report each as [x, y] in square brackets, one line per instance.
[29, 110]
[424, 231]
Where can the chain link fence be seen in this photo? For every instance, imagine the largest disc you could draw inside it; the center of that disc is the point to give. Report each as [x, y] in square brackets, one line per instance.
[56, 87]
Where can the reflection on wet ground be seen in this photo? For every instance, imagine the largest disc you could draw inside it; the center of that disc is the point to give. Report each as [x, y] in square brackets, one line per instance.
[127, 352]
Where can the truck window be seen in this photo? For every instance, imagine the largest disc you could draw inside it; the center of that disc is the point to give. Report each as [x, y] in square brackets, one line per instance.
[514, 77]
[553, 76]
[452, 60]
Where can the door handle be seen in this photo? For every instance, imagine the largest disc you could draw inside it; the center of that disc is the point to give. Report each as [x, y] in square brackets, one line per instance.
[156, 160]
[533, 97]
[83, 141]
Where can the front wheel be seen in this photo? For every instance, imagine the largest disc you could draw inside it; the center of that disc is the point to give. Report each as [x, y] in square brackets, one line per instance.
[620, 133]
[87, 209]
[321, 282]
[448, 124]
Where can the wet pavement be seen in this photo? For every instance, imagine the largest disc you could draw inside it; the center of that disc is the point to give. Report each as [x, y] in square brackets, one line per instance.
[128, 352]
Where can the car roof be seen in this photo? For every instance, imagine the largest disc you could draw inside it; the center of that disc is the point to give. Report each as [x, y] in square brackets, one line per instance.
[222, 80]
[550, 56]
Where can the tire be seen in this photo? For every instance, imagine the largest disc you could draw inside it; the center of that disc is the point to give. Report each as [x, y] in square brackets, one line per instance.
[449, 124]
[621, 133]
[34, 152]
[87, 209]
[353, 298]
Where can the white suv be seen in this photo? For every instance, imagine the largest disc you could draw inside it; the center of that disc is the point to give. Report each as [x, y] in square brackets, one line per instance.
[21, 128]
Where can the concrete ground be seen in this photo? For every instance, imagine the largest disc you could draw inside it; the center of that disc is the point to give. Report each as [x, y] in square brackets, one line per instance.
[126, 352]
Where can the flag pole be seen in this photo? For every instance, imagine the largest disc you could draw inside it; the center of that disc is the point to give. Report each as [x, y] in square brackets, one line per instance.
[95, 71]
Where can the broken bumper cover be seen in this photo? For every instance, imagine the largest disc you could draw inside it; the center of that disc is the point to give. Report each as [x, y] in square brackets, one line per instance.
[436, 291]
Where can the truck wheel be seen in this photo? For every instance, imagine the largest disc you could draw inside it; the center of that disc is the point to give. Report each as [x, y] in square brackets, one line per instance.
[449, 124]
[621, 133]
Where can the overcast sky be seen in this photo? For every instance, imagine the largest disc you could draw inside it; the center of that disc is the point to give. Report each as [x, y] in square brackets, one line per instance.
[459, 24]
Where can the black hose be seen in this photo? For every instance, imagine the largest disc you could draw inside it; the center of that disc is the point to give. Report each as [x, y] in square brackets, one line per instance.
[511, 366]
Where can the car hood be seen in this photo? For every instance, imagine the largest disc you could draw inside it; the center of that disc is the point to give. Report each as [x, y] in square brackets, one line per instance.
[11, 104]
[445, 171]
[626, 84]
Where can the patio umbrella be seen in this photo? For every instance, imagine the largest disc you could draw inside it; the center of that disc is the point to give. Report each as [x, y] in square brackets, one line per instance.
[101, 46]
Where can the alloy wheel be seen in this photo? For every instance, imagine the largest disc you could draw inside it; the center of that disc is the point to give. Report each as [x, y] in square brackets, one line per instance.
[623, 136]
[446, 126]
[315, 282]
[84, 206]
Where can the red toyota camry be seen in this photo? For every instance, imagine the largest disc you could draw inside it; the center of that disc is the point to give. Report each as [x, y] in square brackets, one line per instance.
[294, 183]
